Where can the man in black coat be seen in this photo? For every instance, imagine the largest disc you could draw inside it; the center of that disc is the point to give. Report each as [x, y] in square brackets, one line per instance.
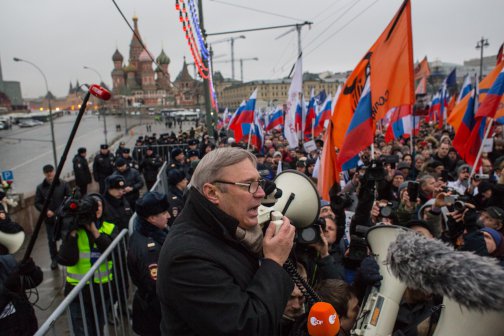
[132, 178]
[217, 274]
[116, 208]
[150, 167]
[61, 190]
[177, 183]
[144, 246]
[81, 171]
[103, 166]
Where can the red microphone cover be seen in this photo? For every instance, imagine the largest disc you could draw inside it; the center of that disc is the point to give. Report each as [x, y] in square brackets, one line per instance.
[323, 320]
[99, 92]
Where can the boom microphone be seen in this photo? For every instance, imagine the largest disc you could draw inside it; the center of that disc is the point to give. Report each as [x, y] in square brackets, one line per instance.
[323, 320]
[100, 92]
[430, 265]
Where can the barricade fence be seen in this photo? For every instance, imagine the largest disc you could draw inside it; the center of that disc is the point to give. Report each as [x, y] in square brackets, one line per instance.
[163, 150]
[96, 306]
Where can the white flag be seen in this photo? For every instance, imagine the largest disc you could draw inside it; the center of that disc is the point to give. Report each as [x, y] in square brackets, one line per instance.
[295, 89]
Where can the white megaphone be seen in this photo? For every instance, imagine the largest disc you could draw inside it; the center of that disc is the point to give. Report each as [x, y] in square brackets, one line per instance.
[299, 202]
[12, 241]
[378, 314]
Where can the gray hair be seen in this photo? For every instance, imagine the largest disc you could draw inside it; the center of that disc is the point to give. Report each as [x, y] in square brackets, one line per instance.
[208, 169]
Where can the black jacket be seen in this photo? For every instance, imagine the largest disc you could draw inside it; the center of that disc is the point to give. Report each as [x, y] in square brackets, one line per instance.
[117, 211]
[61, 190]
[209, 284]
[81, 170]
[150, 166]
[176, 199]
[143, 253]
[103, 166]
[133, 179]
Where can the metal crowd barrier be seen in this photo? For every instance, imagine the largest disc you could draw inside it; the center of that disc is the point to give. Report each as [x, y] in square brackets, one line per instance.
[163, 150]
[117, 251]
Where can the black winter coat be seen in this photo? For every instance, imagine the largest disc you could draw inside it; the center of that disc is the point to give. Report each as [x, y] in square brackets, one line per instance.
[150, 166]
[209, 284]
[81, 170]
[117, 211]
[133, 179]
[143, 253]
[103, 166]
[61, 190]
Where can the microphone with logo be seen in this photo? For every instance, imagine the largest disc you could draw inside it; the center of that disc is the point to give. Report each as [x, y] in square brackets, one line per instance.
[100, 92]
[323, 320]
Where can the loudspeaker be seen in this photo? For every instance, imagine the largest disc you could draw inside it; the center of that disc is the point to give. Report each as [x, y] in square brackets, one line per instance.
[300, 201]
[378, 314]
[12, 241]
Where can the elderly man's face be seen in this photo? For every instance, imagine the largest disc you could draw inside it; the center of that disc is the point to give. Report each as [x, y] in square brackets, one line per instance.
[236, 200]
[490, 222]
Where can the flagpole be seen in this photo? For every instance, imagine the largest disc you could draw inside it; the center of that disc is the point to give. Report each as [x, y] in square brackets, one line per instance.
[481, 148]
[250, 136]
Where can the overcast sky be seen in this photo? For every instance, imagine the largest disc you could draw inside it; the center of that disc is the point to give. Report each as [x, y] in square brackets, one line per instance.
[61, 36]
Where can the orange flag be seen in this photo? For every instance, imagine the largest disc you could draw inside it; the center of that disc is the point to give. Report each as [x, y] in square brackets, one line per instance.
[422, 69]
[457, 114]
[392, 65]
[328, 175]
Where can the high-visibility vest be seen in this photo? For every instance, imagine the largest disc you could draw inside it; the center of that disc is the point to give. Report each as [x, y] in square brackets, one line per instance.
[76, 272]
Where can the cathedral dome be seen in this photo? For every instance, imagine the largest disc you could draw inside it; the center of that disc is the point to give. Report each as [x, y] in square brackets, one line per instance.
[162, 58]
[117, 57]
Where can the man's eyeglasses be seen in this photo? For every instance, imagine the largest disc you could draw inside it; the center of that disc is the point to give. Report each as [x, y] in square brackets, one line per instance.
[252, 186]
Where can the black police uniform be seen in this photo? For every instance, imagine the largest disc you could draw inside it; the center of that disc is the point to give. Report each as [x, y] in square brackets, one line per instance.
[143, 253]
[134, 180]
[82, 173]
[149, 168]
[103, 166]
[176, 199]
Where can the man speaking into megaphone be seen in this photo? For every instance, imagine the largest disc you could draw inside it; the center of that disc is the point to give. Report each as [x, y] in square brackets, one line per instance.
[217, 273]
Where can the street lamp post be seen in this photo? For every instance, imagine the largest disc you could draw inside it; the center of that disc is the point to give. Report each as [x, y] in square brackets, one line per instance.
[481, 45]
[101, 109]
[50, 107]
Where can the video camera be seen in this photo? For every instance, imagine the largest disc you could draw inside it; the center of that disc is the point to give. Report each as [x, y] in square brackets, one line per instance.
[74, 212]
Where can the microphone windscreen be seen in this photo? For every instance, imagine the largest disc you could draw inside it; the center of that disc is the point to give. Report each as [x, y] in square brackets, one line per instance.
[323, 320]
[434, 267]
[100, 92]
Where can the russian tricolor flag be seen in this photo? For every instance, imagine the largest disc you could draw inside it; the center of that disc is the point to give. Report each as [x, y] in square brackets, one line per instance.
[360, 132]
[246, 116]
[322, 116]
[254, 131]
[310, 118]
[276, 119]
[236, 114]
[401, 123]
[299, 116]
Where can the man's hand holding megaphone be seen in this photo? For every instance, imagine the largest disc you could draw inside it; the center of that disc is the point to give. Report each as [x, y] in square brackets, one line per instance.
[277, 247]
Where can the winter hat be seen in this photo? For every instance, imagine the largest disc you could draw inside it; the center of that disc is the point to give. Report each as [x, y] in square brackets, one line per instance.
[175, 176]
[120, 162]
[151, 204]
[496, 236]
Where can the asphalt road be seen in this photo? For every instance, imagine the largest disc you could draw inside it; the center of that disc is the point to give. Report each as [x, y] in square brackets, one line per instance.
[26, 150]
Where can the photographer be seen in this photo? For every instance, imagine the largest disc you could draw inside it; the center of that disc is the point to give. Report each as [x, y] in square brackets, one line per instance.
[87, 238]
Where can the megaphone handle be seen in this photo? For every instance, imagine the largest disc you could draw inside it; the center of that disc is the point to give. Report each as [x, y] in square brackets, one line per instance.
[288, 203]
[303, 286]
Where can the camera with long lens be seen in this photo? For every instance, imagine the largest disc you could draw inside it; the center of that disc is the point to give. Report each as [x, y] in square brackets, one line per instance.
[375, 171]
[311, 234]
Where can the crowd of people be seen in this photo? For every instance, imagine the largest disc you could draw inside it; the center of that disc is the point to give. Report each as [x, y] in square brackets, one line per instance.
[200, 262]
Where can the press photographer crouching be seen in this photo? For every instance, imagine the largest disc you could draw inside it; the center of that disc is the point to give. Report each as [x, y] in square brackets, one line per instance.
[85, 237]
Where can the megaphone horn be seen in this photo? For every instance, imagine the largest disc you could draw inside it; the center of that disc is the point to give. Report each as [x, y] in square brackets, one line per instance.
[12, 241]
[299, 200]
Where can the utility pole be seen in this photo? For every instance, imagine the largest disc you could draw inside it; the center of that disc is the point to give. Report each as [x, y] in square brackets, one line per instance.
[481, 45]
[206, 83]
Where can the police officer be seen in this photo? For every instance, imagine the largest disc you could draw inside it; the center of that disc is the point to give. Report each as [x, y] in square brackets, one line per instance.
[126, 155]
[177, 183]
[81, 170]
[132, 178]
[116, 208]
[150, 167]
[103, 166]
[138, 150]
[144, 246]
[192, 147]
